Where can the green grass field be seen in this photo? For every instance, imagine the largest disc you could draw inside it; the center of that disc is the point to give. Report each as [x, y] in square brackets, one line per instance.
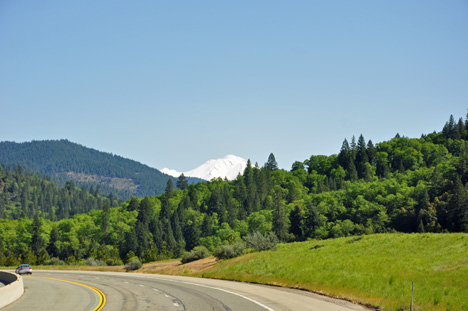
[374, 269]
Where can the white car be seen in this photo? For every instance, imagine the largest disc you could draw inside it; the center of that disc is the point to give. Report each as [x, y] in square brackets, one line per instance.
[24, 269]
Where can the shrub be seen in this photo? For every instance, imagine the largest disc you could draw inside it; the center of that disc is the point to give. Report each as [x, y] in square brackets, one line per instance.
[230, 251]
[134, 264]
[114, 262]
[94, 262]
[261, 242]
[197, 253]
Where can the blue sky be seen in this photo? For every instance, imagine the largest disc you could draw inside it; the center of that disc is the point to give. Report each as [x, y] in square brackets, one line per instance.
[175, 83]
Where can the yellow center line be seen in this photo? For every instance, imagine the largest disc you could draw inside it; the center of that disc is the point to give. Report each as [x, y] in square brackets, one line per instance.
[102, 297]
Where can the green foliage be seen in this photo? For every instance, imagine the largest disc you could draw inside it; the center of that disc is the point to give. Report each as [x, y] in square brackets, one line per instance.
[261, 242]
[197, 253]
[133, 264]
[230, 251]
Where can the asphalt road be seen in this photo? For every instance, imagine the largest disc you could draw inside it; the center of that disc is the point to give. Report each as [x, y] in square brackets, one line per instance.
[133, 291]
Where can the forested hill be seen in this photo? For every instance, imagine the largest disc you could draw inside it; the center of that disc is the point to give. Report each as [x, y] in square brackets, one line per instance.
[401, 185]
[63, 160]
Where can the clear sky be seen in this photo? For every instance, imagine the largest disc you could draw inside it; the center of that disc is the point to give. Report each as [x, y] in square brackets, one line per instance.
[175, 83]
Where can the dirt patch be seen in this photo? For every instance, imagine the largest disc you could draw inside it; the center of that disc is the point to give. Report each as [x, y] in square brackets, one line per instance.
[176, 267]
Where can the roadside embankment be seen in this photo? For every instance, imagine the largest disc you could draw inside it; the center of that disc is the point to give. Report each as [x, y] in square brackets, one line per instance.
[13, 288]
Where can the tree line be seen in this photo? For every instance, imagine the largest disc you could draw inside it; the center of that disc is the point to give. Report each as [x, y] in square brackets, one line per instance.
[404, 184]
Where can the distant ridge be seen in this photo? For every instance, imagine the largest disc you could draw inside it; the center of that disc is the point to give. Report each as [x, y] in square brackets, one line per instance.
[229, 167]
[63, 160]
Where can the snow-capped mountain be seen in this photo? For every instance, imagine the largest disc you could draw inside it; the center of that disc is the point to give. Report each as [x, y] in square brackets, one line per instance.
[227, 167]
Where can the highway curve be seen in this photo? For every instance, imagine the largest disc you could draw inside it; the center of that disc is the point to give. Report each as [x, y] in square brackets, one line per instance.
[49, 291]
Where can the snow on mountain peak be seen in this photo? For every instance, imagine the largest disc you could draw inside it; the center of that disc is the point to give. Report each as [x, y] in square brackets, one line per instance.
[227, 167]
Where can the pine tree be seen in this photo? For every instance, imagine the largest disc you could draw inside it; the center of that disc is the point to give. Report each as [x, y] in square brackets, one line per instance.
[37, 243]
[280, 218]
[105, 223]
[344, 155]
[142, 240]
[312, 221]
[271, 164]
[129, 243]
[192, 235]
[361, 158]
[295, 218]
[458, 207]
[155, 228]
[133, 204]
[178, 235]
[182, 182]
[144, 212]
[371, 153]
[169, 192]
[52, 247]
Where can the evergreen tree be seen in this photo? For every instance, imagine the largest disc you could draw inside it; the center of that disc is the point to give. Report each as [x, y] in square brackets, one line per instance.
[169, 192]
[142, 239]
[52, 248]
[271, 164]
[361, 158]
[192, 235]
[144, 212]
[178, 235]
[182, 182]
[295, 218]
[280, 218]
[129, 243]
[458, 207]
[133, 204]
[37, 242]
[312, 220]
[450, 129]
[371, 153]
[155, 228]
[206, 227]
[105, 223]
[344, 155]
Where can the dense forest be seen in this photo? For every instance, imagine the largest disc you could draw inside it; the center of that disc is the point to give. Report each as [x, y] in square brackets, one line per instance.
[65, 161]
[404, 184]
[24, 193]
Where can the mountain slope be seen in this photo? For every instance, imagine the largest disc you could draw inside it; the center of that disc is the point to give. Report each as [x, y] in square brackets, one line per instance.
[227, 167]
[64, 160]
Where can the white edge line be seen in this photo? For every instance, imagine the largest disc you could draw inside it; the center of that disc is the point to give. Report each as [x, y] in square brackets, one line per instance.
[223, 290]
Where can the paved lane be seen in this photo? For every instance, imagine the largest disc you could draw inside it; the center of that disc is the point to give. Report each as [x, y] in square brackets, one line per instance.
[48, 295]
[135, 291]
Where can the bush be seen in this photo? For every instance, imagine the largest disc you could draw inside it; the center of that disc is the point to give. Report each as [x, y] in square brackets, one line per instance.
[230, 251]
[134, 264]
[114, 262]
[260, 242]
[197, 253]
[54, 261]
[94, 262]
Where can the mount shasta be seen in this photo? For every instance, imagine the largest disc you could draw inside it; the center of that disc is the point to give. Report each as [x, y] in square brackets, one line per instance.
[227, 167]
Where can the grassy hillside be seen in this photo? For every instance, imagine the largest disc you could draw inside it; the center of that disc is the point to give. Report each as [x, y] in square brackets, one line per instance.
[375, 269]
